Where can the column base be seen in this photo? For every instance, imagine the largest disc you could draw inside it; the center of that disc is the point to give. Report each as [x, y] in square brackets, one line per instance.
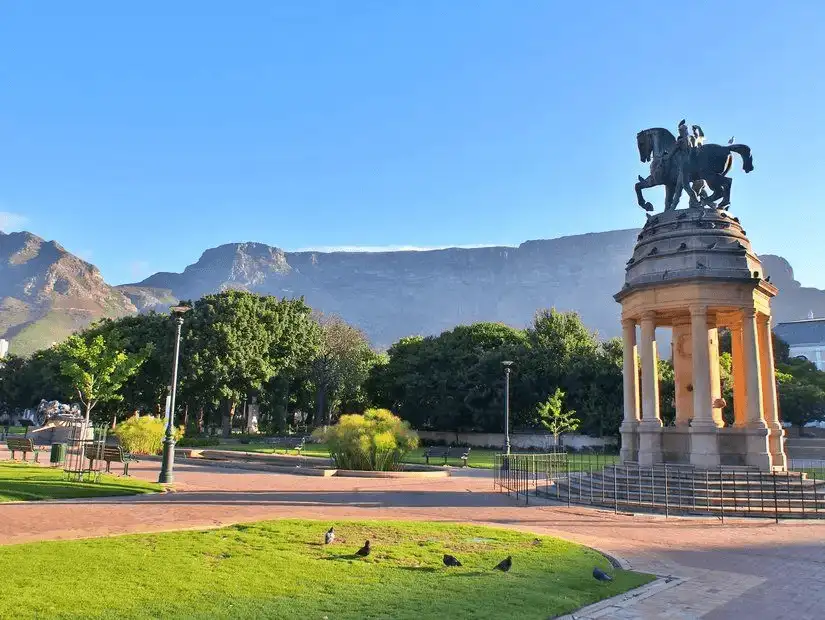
[759, 453]
[704, 445]
[650, 443]
[776, 445]
[630, 442]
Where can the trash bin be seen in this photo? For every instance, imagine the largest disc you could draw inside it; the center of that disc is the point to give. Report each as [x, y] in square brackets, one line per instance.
[58, 453]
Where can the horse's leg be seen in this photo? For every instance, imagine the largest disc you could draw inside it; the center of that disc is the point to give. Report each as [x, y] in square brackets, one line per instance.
[668, 194]
[676, 193]
[644, 184]
[725, 183]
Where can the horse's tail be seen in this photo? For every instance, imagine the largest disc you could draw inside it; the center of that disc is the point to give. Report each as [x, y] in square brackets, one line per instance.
[728, 164]
[745, 153]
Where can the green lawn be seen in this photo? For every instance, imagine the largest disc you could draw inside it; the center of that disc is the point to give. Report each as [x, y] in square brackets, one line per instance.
[480, 458]
[21, 482]
[281, 569]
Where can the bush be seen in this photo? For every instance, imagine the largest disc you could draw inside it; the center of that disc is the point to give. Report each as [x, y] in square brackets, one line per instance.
[375, 441]
[143, 434]
[198, 442]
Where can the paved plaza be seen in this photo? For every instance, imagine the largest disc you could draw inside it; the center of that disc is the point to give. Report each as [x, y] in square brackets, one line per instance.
[750, 569]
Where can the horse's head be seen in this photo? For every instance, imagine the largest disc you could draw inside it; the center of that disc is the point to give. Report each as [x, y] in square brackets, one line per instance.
[654, 142]
[645, 144]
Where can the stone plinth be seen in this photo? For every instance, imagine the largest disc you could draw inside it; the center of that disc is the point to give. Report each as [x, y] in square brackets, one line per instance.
[694, 271]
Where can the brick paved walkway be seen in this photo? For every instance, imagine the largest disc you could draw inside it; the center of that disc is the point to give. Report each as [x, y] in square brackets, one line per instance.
[743, 569]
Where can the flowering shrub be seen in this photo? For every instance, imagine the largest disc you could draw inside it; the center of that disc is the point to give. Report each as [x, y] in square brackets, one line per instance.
[143, 434]
[375, 441]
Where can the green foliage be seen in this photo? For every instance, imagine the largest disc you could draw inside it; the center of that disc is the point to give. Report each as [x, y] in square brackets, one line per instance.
[198, 442]
[801, 391]
[97, 370]
[278, 569]
[143, 434]
[555, 418]
[375, 441]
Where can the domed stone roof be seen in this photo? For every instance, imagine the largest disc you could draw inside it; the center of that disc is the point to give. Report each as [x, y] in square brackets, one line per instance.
[686, 244]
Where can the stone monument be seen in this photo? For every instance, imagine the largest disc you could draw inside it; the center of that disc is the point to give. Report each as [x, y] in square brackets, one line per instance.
[694, 271]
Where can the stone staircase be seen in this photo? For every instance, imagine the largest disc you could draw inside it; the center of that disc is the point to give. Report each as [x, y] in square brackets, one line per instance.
[684, 489]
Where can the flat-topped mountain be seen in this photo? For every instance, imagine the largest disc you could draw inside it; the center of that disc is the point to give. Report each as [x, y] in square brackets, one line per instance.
[46, 292]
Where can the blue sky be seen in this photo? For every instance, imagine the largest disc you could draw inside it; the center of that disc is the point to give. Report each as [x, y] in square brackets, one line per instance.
[140, 135]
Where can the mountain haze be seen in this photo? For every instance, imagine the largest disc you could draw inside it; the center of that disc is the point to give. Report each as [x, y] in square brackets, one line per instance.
[46, 292]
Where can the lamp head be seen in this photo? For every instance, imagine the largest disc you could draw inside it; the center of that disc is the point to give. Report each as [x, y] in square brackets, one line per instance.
[179, 311]
[507, 364]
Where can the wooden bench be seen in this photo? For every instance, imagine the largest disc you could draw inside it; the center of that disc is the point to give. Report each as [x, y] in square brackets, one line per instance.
[447, 452]
[110, 454]
[287, 443]
[21, 444]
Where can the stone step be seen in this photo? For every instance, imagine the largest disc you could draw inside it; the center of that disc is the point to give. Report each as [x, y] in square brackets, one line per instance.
[805, 442]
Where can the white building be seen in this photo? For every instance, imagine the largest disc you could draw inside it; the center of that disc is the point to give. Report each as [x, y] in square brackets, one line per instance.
[805, 338]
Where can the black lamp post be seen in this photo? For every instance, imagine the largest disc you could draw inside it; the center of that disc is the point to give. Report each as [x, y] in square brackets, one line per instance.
[168, 462]
[507, 365]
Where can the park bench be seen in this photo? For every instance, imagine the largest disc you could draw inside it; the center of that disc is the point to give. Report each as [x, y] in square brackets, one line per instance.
[287, 443]
[447, 452]
[110, 454]
[21, 444]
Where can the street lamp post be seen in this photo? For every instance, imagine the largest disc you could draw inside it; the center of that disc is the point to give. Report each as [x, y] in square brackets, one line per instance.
[507, 366]
[168, 463]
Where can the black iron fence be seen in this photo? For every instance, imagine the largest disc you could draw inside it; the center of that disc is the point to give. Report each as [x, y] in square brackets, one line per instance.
[600, 480]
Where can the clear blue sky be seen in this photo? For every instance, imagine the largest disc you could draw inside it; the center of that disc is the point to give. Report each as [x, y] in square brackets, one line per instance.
[139, 136]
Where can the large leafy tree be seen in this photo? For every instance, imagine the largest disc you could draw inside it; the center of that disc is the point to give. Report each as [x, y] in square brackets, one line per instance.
[96, 369]
[236, 342]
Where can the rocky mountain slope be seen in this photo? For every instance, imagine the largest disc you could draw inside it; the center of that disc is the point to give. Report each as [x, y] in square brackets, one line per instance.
[46, 293]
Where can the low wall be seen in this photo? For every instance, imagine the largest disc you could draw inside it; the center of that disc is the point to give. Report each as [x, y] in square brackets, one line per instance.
[518, 441]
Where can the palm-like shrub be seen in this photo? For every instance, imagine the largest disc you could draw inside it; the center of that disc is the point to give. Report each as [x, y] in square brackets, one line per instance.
[375, 441]
[143, 434]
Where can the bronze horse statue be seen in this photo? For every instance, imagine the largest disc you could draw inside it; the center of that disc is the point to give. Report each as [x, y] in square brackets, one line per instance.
[685, 167]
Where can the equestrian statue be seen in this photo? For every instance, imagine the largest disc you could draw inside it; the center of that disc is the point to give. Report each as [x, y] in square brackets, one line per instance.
[686, 163]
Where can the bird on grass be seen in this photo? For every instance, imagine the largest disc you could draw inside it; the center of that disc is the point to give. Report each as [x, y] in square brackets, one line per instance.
[600, 575]
[365, 550]
[505, 564]
[450, 560]
[329, 536]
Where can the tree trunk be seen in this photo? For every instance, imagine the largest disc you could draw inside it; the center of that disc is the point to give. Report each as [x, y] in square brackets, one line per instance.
[200, 419]
[186, 416]
[320, 402]
[114, 420]
[226, 419]
[88, 413]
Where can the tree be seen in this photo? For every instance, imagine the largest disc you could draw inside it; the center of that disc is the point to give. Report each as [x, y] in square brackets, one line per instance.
[555, 418]
[97, 370]
[236, 342]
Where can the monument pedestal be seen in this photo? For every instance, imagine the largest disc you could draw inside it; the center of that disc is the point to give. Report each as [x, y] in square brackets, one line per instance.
[704, 445]
[758, 450]
[650, 443]
[630, 442]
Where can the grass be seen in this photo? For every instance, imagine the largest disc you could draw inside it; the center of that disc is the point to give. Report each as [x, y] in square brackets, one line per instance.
[480, 458]
[21, 482]
[281, 569]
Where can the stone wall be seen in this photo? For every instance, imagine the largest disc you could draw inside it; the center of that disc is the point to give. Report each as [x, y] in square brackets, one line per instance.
[518, 441]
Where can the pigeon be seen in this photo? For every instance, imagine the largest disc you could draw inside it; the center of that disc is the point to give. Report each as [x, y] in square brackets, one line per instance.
[600, 575]
[505, 564]
[731, 140]
[450, 560]
[365, 550]
[711, 245]
[329, 536]
[683, 246]
[767, 279]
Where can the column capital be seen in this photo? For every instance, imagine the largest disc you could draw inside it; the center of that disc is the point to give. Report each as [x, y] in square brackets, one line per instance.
[748, 313]
[629, 323]
[764, 319]
[648, 315]
[698, 310]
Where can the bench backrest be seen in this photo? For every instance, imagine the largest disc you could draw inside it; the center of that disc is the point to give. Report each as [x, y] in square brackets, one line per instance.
[458, 451]
[287, 442]
[20, 443]
[448, 451]
[108, 453]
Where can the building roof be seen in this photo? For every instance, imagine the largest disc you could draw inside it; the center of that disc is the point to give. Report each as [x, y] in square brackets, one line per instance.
[795, 333]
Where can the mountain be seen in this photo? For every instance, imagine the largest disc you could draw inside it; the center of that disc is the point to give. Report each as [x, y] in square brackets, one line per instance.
[46, 293]
[395, 294]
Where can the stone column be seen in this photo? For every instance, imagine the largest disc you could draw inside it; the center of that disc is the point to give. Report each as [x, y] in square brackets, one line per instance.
[704, 448]
[715, 376]
[769, 398]
[758, 451]
[740, 407]
[650, 428]
[683, 373]
[629, 428]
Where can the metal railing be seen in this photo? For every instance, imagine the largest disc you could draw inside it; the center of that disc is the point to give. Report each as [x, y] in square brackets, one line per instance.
[600, 480]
